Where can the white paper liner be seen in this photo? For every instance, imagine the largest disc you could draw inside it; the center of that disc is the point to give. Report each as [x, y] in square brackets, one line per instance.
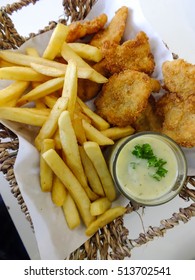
[54, 239]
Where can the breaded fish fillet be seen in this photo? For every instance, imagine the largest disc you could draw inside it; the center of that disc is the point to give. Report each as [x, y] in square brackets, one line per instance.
[179, 77]
[133, 54]
[115, 30]
[178, 118]
[148, 120]
[80, 29]
[124, 97]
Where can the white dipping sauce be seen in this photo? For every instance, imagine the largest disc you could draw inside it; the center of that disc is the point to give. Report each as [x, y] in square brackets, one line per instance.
[135, 177]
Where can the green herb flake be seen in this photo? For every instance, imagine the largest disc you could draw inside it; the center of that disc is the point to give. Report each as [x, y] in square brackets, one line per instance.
[133, 164]
[145, 152]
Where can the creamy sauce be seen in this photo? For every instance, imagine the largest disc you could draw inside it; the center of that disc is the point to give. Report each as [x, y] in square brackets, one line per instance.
[135, 177]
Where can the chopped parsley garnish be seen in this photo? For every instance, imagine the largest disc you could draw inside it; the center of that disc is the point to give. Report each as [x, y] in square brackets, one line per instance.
[145, 152]
[133, 164]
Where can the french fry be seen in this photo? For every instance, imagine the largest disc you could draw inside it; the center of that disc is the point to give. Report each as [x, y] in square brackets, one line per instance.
[82, 116]
[91, 173]
[95, 154]
[4, 63]
[41, 90]
[70, 147]
[21, 73]
[100, 206]
[72, 184]
[47, 70]
[68, 53]
[70, 86]
[104, 219]
[46, 174]
[56, 41]
[70, 212]
[13, 92]
[11, 103]
[87, 51]
[38, 111]
[95, 135]
[50, 126]
[78, 112]
[39, 104]
[32, 52]
[26, 60]
[116, 133]
[84, 72]
[58, 192]
[72, 165]
[35, 84]
[50, 100]
[22, 115]
[97, 121]
[71, 152]
[56, 138]
[79, 130]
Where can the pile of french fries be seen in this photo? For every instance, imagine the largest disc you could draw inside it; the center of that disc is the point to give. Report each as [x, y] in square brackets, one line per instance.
[43, 93]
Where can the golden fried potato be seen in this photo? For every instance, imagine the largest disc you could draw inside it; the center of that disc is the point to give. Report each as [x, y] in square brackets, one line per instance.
[51, 124]
[94, 152]
[116, 133]
[91, 173]
[71, 212]
[72, 184]
[46, 174]
[13, 92]
[58, 192]
[71, 152]
[23, 115]
[105, 219]
[56, 41]
[99, 206]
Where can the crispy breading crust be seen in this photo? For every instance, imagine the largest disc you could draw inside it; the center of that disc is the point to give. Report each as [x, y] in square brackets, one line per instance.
[178, 118]
[80, 29]
[148, 120]
[124, 97]
[133, 54]
[179, 77]
[115, 30]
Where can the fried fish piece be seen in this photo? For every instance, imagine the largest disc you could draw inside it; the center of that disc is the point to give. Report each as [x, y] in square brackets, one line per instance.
[115, 30]
[124, 97]
[179, 77]
[133, 54]
[148, 120]
[178, 118]
[80, 29]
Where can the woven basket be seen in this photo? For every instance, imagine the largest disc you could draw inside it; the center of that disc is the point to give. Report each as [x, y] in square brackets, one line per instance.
[112, 241]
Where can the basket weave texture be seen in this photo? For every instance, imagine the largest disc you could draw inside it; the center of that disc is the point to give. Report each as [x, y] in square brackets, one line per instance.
[112, 241]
